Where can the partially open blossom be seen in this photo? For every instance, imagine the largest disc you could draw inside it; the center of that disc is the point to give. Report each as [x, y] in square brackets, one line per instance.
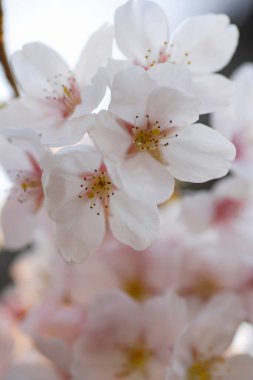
[57, 99]
[23, 159]
[202, 45]
[82, 199]
[127, 340]
[149, 134]
[236, 121]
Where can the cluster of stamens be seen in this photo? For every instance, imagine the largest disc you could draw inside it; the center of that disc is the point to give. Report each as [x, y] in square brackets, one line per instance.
[65, 92]
[204, 369]
[137, 358]
[165, 55]
[27, 185]
[149, 137]
[98, 189]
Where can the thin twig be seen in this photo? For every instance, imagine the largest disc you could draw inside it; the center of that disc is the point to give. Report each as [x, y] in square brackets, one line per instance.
[3, 57]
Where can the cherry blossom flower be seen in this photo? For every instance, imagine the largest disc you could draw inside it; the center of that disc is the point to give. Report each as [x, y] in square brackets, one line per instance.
[58, 99]
[201, 45]
[148, 134]
[54, 327]
[236, 121]
[82, 198]
[201, 350]
[23, 158]
[127, 340]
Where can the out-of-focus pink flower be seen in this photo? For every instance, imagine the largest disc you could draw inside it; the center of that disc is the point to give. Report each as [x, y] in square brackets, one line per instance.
[125, 339]
[201, 351]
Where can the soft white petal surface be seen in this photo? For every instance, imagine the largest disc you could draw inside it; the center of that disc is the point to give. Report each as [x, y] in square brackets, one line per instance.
[145, 178]
[139, 26]
[134, 223]
[199, 154]
[95, 54]
[209, 40]
[172, 107]
[130, 90]
[34, 65]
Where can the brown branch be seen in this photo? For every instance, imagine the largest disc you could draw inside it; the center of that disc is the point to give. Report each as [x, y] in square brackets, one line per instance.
[3, 57]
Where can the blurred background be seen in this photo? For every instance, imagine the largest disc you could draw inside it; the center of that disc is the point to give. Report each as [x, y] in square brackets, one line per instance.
[65, 25]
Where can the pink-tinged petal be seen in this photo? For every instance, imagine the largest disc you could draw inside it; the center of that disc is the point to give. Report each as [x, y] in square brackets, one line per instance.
[19, 222]
[34, 65]
[140, 26]
[207, 42]
[235, 368]
[172, 107]
[130, 90]
[214, 91]
[169, 75]
[95, 54]
[198, 154]
[145, 178]
[82, 234]
[133, 222]
[109, 136]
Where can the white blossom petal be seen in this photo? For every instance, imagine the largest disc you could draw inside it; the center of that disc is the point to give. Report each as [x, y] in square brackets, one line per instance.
[109, 137]
[82, 234]
[145, 178]
[208, 40]
[34, 65]
[139, 26]
[134, 223]
[130, 90]
[172, 107]
[214, 91]
[95, 54]
[199, 154]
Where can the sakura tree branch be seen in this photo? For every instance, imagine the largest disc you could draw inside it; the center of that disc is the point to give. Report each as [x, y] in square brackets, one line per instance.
[3, 56]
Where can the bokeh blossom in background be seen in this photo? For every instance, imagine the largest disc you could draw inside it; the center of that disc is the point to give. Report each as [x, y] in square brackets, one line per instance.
[127, 195]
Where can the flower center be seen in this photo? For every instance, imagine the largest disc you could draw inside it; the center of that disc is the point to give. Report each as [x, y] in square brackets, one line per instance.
[203, 369]
[137, 358]
[199, 371]
[135, 289]
[98, 189]
[65, 93]
[204, 288]
[150, 136]
[28, 183]
[165, 55]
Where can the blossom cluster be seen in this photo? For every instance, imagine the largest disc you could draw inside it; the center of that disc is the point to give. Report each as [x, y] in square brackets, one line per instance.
[152, 281]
